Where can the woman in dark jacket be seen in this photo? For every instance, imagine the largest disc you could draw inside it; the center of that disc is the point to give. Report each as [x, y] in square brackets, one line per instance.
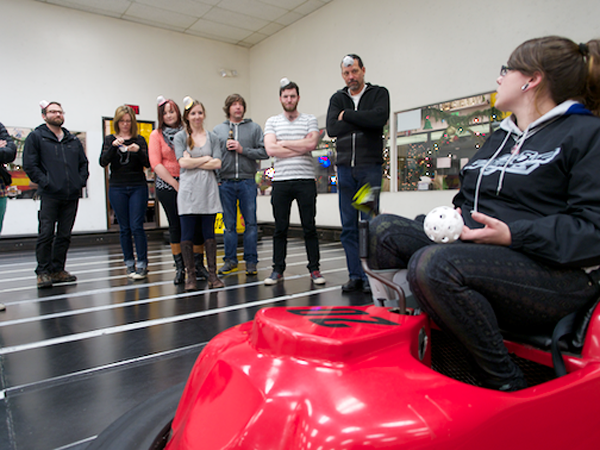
[126, 153]
[529, 253]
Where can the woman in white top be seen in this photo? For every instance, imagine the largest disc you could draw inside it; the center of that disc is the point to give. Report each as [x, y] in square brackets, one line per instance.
[199, 154]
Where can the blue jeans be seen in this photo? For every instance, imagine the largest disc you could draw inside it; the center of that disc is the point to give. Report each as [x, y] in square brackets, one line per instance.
[245, 191]
[350, 180]
[129, 204]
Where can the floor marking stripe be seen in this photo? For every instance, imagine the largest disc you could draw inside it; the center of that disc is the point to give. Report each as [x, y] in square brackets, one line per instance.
[108, 307]
[104, 269]
[103, 368]
[161, 321]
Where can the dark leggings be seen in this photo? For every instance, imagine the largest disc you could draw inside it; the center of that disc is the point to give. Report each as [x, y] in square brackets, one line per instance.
[191, 222]
[168, 200]
[473, 290]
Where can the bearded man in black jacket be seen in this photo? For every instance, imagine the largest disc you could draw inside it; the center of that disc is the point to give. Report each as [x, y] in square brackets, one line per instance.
[356, 117]
[55, 160]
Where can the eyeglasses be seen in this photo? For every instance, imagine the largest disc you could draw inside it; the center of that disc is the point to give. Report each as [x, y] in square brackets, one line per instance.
[504, 70]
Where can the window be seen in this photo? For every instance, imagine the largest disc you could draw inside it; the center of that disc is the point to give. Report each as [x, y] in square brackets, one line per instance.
[434, 142]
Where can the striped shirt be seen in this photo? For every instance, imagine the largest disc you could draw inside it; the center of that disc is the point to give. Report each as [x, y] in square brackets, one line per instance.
[295, 167]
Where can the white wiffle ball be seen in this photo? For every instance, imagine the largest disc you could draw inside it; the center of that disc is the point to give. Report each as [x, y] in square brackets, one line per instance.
[443, 225]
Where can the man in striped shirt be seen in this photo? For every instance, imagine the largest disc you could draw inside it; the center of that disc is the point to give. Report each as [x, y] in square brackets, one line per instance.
[290, 137]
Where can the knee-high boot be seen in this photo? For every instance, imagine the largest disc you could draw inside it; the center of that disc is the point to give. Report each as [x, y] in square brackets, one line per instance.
[187, 251]
[210, 246]
[201, 272]
[179, 267]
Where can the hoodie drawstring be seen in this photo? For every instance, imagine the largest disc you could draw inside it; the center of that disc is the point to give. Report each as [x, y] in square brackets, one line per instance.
[482, 170]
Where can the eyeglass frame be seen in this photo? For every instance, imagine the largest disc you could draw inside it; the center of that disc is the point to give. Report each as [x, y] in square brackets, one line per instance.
[504, 70]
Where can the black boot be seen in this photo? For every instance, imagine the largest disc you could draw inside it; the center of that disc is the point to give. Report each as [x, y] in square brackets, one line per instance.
[210, 247]
[179, 269]
[187, 251]
[201, 272]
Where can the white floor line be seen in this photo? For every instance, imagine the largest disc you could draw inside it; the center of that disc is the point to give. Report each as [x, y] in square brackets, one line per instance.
[120, 268]
[73, 444]
[154, 322]
[73, 259]
[70, 376]
[118, 257]
[111, 306]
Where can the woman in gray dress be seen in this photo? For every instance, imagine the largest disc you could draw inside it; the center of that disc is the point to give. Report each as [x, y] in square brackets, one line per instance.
[199, 154]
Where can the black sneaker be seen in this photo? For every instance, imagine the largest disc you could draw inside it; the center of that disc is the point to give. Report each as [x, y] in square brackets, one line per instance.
[228, 267]
[44, 281]
[130, 272]
[353, 285]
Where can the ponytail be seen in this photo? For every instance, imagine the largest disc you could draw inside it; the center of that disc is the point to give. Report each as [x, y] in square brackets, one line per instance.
[570, 71]
[591, 53]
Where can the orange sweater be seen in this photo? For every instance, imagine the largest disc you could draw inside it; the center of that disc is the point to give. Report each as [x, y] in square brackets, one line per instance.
[160, 153]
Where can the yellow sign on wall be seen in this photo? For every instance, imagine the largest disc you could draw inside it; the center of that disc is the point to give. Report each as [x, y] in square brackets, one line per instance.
[220, 225]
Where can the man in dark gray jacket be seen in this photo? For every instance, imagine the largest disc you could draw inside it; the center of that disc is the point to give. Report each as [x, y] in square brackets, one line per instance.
[55, 160]
[242, 144]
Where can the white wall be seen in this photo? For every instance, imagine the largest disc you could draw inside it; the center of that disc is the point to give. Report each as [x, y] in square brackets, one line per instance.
[423, 51]
[92, 64]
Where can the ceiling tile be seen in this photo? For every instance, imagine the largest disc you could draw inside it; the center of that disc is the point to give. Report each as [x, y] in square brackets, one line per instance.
[255, 38]
[231, 21]
[114, 8]
[287, 4]
[271, 28]
[307, 7]
[235, 19]
[289, 18]
[212, 36]
[208, 2]
[186, 7]
[217, 29]
[150, 14]
[253, 8]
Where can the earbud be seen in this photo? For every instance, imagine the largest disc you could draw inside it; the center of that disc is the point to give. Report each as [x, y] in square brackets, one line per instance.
[525, 86]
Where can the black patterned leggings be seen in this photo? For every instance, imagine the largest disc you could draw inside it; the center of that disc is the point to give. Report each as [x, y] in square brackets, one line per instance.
[474, 290]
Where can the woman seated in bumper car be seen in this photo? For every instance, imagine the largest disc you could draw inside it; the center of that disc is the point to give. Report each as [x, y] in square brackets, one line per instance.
[529, 252]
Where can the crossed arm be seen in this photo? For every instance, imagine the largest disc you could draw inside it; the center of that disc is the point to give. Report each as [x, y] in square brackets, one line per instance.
[286, 149]
[202, 162]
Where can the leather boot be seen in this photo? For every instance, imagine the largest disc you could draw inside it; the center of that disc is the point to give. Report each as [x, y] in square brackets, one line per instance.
[201, 272]
[210, 246]
[187, 251]
[179, 269]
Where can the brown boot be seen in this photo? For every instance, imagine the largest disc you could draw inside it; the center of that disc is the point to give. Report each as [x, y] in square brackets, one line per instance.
[187, 251]
[201, 272]
[210, 246]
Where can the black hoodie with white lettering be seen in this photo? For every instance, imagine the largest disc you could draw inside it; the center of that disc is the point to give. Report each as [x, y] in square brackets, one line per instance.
[543, 182]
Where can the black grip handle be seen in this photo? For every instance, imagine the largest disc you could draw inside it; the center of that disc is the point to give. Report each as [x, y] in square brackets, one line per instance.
[363, 239]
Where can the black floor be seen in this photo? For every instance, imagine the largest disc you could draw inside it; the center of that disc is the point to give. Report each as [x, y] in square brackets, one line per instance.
[75, 357]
